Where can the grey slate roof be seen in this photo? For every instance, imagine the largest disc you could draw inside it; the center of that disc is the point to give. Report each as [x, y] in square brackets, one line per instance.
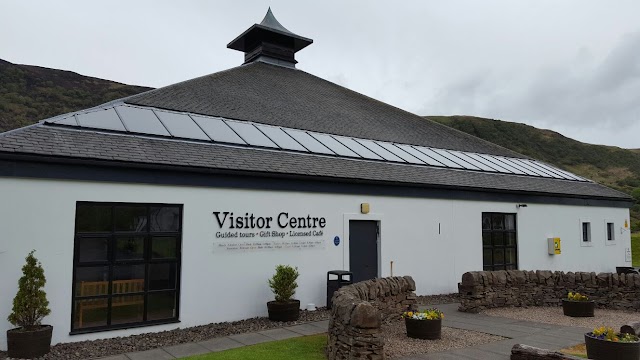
[292, 98]
[57, 142]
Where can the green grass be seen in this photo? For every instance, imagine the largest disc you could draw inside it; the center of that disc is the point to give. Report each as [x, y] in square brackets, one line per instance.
[635, 249]
[303, 348]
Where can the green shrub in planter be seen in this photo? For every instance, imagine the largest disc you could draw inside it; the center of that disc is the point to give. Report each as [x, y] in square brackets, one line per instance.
[283, 284]
[30, 306]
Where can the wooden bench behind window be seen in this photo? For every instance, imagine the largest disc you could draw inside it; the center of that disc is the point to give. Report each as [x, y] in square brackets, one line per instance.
[120, 287]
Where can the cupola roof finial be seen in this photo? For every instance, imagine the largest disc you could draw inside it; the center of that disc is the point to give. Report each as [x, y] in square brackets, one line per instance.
[269, 41]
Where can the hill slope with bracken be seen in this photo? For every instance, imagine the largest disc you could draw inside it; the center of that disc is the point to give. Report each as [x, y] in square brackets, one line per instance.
[31, 93]
[609, 165]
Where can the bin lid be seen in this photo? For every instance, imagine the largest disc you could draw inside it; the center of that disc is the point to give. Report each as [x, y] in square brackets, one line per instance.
[339, 272]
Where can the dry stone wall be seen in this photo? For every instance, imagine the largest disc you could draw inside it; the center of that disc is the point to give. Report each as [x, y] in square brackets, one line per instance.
[359, 310]
[489, 289]
[524, 352]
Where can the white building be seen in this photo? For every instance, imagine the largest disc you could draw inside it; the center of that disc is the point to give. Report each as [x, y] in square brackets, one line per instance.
[171, 208]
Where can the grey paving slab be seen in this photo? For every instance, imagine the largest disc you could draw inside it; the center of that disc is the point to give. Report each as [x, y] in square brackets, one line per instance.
[478, 354]
[250, 338]
[306, 329]
[324, 324]
[437, 356]
[220, 344]
[280, 334]
[117, 357]
[183, 350]
[502, 347]
[155, 354]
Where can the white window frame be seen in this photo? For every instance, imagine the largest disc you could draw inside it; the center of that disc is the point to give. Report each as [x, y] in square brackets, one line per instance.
[582, 242]
[606, 233]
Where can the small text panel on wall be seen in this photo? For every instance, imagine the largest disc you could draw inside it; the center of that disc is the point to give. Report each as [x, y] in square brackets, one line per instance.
[126, 268]
[499, 241]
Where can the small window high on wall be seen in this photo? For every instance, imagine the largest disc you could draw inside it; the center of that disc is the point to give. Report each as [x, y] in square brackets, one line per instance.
[586, 232]
[499, 241]
[126, 268]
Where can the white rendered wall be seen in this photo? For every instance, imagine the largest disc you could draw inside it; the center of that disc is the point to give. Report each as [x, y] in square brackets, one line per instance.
[224, 286]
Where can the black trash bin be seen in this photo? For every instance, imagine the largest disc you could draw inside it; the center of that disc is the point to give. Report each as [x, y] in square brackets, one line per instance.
[343, 278]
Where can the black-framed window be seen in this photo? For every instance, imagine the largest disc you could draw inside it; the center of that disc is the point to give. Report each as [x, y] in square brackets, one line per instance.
[586, 232]
[126, 267]
[499, 241]
[611, 234]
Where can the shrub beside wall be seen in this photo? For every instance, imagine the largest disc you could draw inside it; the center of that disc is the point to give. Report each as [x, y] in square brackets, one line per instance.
[358, 312]
[489, 289]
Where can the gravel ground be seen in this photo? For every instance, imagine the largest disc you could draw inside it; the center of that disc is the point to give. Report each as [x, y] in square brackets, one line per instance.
[99, 348]
[554, 315]
[397, 344]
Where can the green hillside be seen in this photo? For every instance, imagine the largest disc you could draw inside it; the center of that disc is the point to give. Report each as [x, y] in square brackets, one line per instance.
[609, 165]
[32, 93]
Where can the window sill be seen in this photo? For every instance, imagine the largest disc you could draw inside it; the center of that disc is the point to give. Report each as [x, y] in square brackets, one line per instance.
[123, 327]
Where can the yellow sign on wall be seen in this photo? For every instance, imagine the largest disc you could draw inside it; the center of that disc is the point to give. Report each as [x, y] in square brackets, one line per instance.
[554, 246]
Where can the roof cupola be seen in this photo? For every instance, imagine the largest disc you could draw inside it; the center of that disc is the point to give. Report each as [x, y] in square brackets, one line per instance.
[269, 42]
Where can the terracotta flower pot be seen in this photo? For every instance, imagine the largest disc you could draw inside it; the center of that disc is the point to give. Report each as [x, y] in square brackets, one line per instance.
[284, 311]
[578, 308]
[423, 329]
[23, 344]
[609, 350]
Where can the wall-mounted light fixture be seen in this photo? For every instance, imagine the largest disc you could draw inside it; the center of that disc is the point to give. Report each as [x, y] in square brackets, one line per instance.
[364, 208]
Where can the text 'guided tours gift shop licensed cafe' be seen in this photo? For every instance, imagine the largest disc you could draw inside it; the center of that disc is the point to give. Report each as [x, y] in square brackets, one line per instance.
[172, 207]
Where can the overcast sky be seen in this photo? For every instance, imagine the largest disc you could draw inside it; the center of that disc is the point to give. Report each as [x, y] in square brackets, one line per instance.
[570, 66]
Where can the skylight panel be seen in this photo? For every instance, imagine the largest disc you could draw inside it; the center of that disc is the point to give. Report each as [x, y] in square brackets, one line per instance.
[551, 173]
[419, 155]
[448, 155]
[565, 174]
[444, 160]
[373, 146]
[400, 153]
[181, 125]
[504, 164]
[333, 144]
[494, 163]
[250, 134]
[218, 130]
[529, 167]
[358, 148]
[69, 120]
[465, 161]
[101, 119]
[524, 169]
[308, 142]
[142, 121]
[281, 138]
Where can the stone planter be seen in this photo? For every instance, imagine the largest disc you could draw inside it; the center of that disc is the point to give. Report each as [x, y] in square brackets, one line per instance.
[284, 311]
[29, 344]
[578, 308]
[423, 329]
[608, 350]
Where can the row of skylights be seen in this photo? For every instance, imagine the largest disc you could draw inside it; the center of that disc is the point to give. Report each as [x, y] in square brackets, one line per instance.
[150, 121]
